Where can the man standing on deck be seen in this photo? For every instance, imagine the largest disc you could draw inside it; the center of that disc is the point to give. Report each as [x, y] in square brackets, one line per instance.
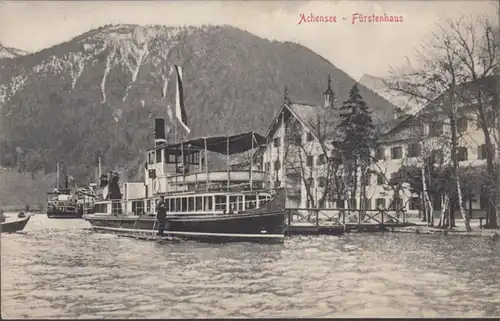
[161, 215]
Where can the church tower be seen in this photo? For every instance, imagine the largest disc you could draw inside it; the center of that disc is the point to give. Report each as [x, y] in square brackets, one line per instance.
[328, 94]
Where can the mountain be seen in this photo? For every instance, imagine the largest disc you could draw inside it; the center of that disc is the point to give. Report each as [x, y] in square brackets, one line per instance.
[8, 52]
[97, 94]
[378, 86]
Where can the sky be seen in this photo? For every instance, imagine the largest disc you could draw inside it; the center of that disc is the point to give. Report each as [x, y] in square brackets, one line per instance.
[359, 48]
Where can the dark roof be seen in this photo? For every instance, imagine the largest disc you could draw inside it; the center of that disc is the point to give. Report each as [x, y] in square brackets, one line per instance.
[310, 114]
[466, 92]
[219, 144]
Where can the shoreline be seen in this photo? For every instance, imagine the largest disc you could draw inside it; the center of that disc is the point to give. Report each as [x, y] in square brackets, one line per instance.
[457, 231]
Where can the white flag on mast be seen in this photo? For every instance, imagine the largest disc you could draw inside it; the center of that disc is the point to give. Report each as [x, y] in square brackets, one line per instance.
[180, 111]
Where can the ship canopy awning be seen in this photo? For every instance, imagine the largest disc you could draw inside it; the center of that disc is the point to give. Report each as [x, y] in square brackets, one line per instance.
[234, 144]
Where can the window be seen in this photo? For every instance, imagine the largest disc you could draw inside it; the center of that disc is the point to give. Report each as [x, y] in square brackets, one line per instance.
[138, 207]
[380, 202]
[277, 165]
[437, 156]
[423, 129]
[367, 203]
[184, 205]
[158, 156]
[462, 124]
[178, 207]
[414, 203]
[368, 179]
[208, 200]
[166, 155]
[380, 154]
[297, 139]
[310, 136]
[116, 208]
[250, 201]
[380, 179]
[151, 157]
[199, 203]
[436, 129]
[241, 206]
[396, 204]
[233, 203]
[267, 166]
[220, 202]
[148, 206]
[462, 153]
[309, 161]
[396, 152]
[414, 150]
[321, 159]
[322, 182]
[190, 204]
[482, 151]
[277, 142]
[171, 205]
[310, 182]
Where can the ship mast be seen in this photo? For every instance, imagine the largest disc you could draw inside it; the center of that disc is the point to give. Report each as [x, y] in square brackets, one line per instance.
[57, 179]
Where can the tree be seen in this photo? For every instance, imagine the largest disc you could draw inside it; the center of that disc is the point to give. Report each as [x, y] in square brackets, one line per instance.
[456, 69]
[357, 140]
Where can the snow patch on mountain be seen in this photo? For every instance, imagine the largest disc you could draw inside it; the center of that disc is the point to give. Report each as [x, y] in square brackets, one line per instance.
[123, 46]
[9, 52]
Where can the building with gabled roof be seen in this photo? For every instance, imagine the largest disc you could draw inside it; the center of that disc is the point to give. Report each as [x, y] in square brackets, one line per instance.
[402, 138]
[311, 129]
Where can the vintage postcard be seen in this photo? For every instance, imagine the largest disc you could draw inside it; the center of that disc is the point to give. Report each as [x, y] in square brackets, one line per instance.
[249, 159]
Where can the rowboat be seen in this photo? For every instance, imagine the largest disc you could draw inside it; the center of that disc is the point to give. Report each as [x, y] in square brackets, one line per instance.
[12, 226]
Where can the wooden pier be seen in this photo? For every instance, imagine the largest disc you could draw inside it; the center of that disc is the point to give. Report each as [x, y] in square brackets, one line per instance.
[323, 221]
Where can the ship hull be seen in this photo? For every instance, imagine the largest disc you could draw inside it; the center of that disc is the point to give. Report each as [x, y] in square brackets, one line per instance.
[63, 214]
[14, 226]
[250, 227]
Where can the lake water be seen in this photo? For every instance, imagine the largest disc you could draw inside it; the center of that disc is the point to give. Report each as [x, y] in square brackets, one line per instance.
[60, 269]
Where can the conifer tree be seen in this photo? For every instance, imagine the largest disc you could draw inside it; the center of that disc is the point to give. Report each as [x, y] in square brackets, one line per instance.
[357, 138]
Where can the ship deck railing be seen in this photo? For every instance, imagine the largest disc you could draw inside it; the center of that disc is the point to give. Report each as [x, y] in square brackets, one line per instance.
[218, 177]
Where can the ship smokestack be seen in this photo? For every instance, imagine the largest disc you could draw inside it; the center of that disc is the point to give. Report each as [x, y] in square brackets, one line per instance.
[160, 131]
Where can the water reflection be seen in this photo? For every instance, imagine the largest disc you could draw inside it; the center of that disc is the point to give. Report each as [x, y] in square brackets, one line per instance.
[57, 268]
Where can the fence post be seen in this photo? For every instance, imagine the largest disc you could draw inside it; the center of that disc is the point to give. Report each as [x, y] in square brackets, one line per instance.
[289, 217]
[404, 217]
[359, 217]
[343, 217]
[382, 213]
[317, 217]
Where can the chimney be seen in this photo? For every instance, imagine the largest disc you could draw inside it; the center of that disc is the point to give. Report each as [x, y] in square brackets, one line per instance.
[160, 131]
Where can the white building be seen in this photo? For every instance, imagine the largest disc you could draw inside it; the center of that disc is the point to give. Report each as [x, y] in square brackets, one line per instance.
[300, 141]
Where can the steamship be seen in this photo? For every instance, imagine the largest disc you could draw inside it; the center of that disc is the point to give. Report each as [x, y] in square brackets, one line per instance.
[65, 202]
[213, 206]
